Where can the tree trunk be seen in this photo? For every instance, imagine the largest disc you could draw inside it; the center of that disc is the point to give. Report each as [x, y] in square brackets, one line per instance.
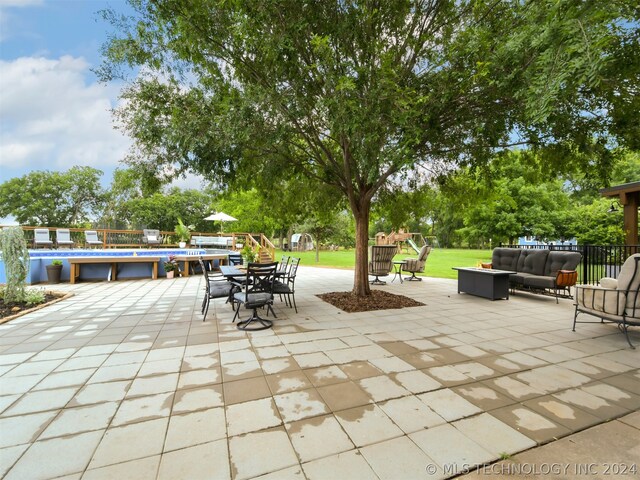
[361, 278]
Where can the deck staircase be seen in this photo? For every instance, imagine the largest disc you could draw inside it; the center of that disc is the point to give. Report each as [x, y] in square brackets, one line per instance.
[267, 252]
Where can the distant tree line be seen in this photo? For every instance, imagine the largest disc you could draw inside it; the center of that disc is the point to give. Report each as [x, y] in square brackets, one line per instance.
[512, 196]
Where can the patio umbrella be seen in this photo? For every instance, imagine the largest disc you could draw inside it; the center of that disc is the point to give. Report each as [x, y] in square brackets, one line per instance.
[221, 217]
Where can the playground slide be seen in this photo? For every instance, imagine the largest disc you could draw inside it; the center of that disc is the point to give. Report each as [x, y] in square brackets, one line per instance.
[413, 245]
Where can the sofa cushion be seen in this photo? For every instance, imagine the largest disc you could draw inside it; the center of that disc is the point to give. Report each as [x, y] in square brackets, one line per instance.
[532, 261]
[607, 282]
[628, 276]
[413, 265]
[424, 253]
[539, 281]
[629, 279]
[518, 278]
[505, 258]
[561, 261]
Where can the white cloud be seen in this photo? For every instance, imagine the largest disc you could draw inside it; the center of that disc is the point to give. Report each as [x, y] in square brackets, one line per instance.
[52, 118]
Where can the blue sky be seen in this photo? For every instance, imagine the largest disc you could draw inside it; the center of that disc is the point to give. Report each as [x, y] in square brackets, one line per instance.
[53, 112]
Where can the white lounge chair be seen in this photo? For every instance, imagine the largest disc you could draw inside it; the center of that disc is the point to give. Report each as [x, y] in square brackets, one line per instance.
[41, 238]
[63, 238]
[91, 239]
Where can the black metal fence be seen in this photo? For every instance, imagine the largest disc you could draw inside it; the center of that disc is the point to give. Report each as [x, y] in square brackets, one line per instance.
[597, 260]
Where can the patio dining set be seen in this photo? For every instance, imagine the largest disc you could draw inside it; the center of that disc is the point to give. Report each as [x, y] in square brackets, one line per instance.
[253, 286]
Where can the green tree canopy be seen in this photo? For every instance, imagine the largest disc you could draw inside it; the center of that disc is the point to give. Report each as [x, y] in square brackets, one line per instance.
[162, 210]
[512, 197]
[594, 225]
[55, 199]
[351, 94]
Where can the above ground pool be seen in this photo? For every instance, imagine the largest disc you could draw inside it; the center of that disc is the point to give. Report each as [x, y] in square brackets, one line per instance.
[41, 258]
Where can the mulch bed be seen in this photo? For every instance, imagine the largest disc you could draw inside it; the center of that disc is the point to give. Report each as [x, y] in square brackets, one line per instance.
[378, 300]
[16, 308]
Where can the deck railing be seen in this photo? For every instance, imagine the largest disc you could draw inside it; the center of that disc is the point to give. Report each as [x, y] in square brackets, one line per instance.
[597, 260]
[113, 238]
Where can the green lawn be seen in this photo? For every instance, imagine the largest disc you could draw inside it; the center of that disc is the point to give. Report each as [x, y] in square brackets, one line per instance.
[439, 263]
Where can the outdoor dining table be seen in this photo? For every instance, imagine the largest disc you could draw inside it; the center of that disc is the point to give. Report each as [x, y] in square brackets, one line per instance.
[240, 277]
[232, 271]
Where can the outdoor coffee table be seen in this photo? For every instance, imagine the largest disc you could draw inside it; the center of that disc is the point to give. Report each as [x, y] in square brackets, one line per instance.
[397, 266]
[484, 282]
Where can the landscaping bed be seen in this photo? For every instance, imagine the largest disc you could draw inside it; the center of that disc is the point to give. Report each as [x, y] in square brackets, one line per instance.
[11, 310]
[378, 300]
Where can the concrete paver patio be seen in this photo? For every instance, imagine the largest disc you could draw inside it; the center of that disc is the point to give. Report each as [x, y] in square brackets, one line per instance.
[125, 380]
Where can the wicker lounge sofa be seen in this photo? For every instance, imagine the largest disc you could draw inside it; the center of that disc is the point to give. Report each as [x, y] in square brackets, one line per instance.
[538, 270]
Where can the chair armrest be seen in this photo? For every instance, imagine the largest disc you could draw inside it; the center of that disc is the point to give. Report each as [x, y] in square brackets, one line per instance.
[596, 298]
[566, 278]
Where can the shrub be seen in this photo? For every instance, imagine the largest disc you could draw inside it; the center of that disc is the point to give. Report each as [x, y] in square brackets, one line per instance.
[16, 263]
[34, 296]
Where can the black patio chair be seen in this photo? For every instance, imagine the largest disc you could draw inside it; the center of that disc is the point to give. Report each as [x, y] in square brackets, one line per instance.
[286, 286]
[216, 286]
[256, 292]
[283, 266]
[235, 259]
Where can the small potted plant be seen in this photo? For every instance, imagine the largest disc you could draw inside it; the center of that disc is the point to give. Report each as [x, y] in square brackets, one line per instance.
[171, 267]
[54, 271]
[183, 232]
[248, 254]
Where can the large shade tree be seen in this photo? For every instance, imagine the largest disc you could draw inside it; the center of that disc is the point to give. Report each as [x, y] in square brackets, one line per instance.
[353, 93]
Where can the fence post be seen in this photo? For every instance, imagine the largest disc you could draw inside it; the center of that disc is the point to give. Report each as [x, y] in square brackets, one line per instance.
[585, 265]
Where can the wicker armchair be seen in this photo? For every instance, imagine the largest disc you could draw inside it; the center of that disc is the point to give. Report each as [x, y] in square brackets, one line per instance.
[151, 237]
[381, 262]
[416, 265]
[614, 300]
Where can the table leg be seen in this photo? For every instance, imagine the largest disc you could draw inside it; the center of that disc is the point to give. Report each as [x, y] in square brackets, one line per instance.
[72, 279]
[397, 273]
[154, 271]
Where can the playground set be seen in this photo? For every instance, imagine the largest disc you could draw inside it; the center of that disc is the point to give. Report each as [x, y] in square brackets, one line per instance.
[402, 239]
